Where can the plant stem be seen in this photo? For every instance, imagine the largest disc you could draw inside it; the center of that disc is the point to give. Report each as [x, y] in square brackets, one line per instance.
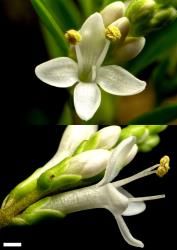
[8, 213]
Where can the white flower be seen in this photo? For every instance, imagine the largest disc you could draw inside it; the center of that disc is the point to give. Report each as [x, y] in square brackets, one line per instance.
[108, 195]
[87, 73]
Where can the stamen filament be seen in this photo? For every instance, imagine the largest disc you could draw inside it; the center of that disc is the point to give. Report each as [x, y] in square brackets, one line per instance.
[147, 198]
[137, 176]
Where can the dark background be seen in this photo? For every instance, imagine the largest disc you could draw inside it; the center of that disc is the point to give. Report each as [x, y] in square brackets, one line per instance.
[25, 99]
[25, 149]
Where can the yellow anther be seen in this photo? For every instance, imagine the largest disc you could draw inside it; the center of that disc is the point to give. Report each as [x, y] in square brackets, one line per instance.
[164, 166]
[112, 33]
[73, 37]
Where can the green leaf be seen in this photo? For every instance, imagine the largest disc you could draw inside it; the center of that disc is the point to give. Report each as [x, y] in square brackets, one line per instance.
[164, 82]
[156, 44]
[106, 2]
[50, 22]
[52, 48]
[88, 6]
[162, 115]
[67, 13]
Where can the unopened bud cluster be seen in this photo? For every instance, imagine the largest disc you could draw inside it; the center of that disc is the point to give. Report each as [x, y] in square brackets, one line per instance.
[147, 135]
[148, 15]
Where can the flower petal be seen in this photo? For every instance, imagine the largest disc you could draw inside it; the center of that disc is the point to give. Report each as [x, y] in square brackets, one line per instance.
[93, 47]
[87, 99]
[126, 233]
[112, 199]
[133, 208]
[120, 157]
[131, 155]
[117, 81]
[60, 72]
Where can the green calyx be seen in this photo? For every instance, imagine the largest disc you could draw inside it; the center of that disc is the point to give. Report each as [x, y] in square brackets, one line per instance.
[36, 213]
[56, 178]
[92, 143]
[50, 183]
[36, 217]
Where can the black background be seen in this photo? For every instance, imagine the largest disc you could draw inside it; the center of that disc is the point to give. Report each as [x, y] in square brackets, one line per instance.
[25, 98]
[25, 149]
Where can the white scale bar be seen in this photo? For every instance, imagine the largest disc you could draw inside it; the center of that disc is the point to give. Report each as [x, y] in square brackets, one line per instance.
[12, 244]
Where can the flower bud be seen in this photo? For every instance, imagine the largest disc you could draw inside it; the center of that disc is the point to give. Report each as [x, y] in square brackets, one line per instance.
[167, 2]
[151, 142]
[112, 12]
[155, 129]
[89, 163]
[108, 137]
[130, 49]
[72, 138]
[105, 138]
[163, 17]
[70, 171]
[139, 10]
[139, 13]
[139, 131]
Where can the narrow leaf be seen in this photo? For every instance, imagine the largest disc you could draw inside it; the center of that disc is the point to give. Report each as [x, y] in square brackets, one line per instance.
[88, 6]
[51, 24]
[162, 115]
[67, 10]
